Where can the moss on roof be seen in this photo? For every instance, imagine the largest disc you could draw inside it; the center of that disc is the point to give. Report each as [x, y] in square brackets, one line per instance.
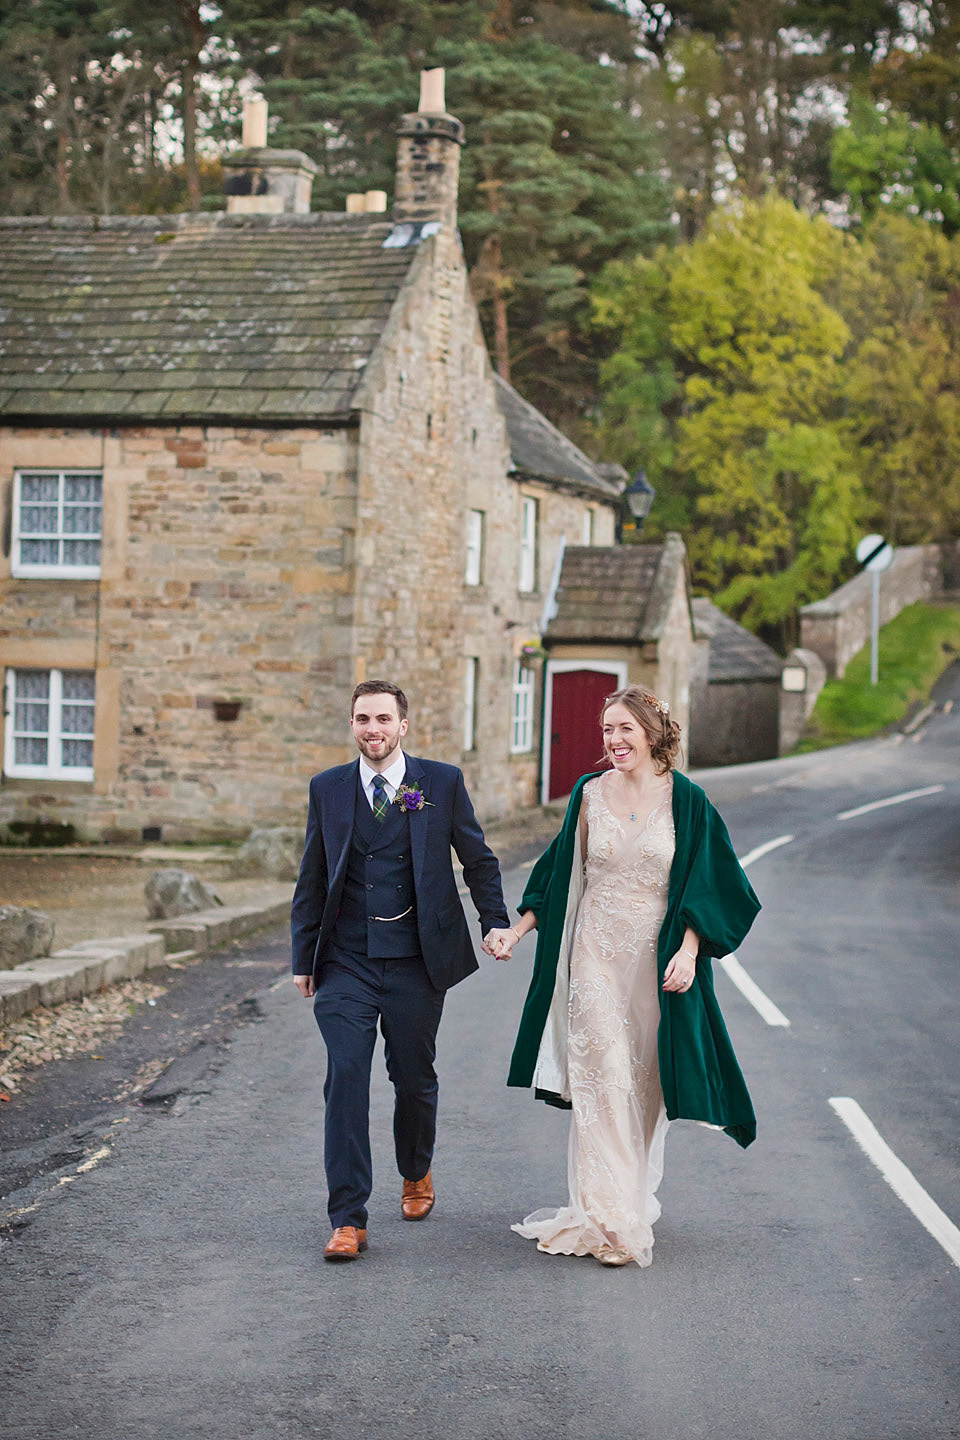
[192, 317]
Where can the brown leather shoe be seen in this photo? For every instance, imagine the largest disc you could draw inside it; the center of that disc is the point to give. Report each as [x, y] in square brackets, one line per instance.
[345, 1243]
[418, 1198]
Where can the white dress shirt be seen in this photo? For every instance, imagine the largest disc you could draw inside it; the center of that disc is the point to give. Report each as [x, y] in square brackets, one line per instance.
[393, 776]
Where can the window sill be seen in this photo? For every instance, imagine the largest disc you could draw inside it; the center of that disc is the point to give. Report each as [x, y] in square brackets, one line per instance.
[51, 572]
[58, 785]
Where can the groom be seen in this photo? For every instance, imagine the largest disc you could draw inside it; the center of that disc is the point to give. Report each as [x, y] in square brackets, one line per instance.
[379, 934]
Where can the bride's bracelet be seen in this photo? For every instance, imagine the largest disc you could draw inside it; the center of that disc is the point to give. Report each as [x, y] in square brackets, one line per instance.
[687, 952]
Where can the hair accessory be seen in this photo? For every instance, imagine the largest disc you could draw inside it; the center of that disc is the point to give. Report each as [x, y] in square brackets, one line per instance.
[660, 706]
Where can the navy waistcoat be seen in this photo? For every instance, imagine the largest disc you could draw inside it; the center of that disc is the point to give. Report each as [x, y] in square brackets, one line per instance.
[378, 882]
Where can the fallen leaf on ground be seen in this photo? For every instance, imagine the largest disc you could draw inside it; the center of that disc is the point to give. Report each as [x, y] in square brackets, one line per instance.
[77, 1027]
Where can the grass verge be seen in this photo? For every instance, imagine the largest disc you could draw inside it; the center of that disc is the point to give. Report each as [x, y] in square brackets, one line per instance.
[915, 649]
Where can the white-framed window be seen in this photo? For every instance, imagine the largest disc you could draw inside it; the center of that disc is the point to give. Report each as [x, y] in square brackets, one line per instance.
[49, 724]
[521, 727]
[528, 544]
[470, 667]
[57, 523]
[473, 571]
[586, 528]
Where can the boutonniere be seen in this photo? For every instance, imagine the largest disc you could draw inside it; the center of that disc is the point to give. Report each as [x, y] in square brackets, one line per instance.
[408, 797]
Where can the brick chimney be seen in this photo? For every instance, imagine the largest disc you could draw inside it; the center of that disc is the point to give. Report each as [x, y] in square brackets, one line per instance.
[428, 159]
[261, 181]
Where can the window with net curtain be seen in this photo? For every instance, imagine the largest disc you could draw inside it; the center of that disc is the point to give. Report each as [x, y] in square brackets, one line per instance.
[58, 523]
[49, 730]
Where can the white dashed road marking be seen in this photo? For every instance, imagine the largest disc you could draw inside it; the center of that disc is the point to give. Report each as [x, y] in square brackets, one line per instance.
[765, 849]
[891, 800]
[751, 991]
[901, 1181]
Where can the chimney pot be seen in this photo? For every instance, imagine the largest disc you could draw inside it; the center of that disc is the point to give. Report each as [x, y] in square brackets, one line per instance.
[376, 202]
[432, 100]
[356, 204]
[255, 123]
[428, 159]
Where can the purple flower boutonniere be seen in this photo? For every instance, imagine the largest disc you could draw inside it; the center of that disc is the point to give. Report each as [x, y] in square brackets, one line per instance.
[408, 797]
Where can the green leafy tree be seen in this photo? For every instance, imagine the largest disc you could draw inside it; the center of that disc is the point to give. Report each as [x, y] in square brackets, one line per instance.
[68, 86]
[883, 159]
[902, 381]
[752, 444]
[556, 181]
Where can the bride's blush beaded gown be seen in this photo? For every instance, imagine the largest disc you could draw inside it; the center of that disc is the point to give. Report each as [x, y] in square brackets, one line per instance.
[619, 1123]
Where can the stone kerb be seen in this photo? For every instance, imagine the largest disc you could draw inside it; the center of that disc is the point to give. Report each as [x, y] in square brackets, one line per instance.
[19, 993]
[88, 966]
[208, 929]
[91, 964]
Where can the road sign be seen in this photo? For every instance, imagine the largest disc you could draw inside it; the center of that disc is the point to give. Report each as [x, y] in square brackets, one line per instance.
[874, 554]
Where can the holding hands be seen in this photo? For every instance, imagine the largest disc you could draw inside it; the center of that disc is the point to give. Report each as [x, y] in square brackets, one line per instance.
[500, 943]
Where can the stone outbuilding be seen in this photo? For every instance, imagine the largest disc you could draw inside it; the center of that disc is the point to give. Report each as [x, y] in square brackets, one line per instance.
[734, 692]
[620, 616]
[248, 459]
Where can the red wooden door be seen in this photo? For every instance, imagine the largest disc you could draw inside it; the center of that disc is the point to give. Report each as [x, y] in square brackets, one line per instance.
[575, 744]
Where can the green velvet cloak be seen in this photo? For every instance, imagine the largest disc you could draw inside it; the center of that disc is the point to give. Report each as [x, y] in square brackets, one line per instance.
[708, 891]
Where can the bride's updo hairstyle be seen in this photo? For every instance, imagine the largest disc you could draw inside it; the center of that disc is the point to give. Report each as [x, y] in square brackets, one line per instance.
[654, 717]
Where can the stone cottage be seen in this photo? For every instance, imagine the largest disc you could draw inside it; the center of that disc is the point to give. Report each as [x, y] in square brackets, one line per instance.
[246, 460]
[734, 692]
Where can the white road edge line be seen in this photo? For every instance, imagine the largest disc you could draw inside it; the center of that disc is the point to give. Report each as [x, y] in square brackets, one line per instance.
[891, 800]
[751, 991]
[898, 1177]
[765, 849]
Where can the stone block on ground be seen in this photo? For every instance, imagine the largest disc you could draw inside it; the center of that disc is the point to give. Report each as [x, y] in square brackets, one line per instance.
[176, 892]
[275, 852]
[64, 976]
[24, 934]
[19, 993]
[123, 957]
[213, 928]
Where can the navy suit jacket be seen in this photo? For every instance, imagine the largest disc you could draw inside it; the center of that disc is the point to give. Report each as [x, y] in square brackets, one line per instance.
[446, 820]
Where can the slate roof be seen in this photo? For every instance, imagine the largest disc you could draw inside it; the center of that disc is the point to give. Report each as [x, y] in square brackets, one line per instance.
[192, 317]
[540, 451]
[617, 594]
[735, 654]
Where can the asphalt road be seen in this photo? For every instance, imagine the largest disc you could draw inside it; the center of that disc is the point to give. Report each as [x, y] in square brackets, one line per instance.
[170, 1283]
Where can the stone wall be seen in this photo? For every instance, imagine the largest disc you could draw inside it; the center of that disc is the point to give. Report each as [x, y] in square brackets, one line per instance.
[837, 627]
[734, 722]
[227, 573]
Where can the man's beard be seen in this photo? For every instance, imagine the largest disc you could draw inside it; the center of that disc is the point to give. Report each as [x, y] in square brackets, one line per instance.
[378, 752]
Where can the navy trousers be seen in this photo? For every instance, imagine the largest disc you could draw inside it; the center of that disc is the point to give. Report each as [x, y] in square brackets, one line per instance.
[353, 994]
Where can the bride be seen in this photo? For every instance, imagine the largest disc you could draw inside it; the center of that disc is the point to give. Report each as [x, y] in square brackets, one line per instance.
[621, 1023]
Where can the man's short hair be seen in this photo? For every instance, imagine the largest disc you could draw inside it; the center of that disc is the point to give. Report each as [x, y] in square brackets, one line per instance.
[380, 687]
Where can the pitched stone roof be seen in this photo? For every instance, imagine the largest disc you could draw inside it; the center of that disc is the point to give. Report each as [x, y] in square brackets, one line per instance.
[192, 317]
[617, 594]
[539, 451]
[735, 654]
